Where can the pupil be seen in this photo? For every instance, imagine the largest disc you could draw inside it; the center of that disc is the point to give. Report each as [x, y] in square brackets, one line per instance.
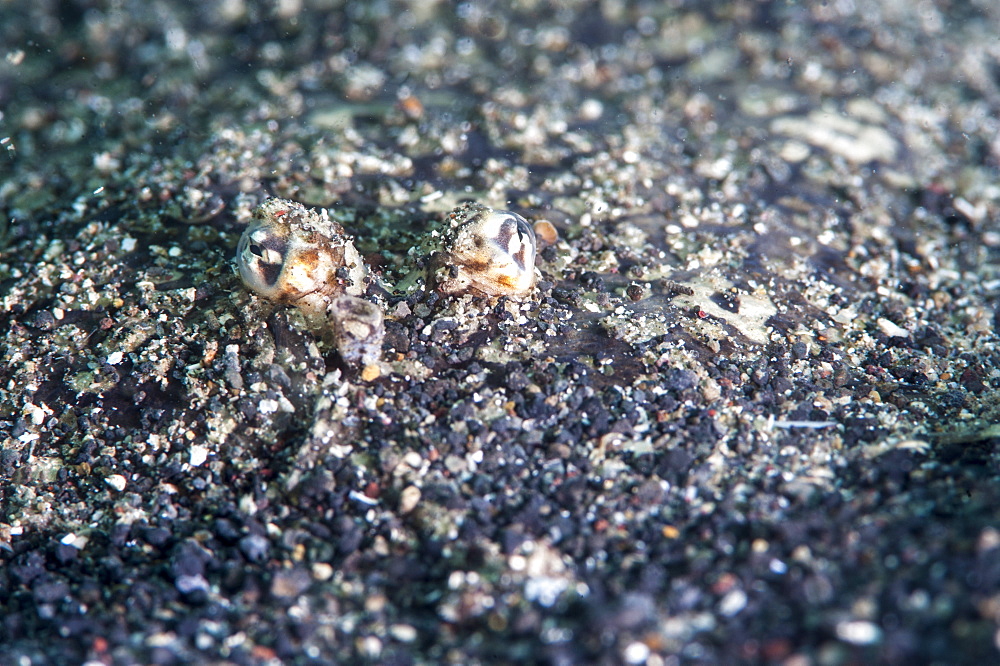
[522, 230]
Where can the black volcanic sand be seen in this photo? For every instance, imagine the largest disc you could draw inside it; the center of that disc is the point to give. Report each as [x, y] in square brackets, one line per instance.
[750, 413]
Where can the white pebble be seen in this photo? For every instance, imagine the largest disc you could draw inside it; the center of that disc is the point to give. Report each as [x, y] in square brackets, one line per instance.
[322, 571]
[733, 603]
[858, 632]
[409, 499]
[199, 454]
[75, 540]
[636, 653]
[591, 109]
[403, 633]
[116, 481]
[891, 329]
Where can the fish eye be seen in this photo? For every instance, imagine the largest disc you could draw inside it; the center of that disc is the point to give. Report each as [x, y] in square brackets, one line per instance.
[481, 253]
[295, 255]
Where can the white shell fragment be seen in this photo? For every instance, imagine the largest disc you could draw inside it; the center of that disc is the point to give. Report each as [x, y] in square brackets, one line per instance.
[891, 329]
[358, 329]
[295, 255]
[485, 251]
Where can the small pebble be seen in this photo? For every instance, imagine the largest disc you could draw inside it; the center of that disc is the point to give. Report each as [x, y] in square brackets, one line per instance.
[116, 481]
[409, 499]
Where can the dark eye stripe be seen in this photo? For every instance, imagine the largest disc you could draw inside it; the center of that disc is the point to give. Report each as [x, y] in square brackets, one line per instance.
[269, 273]
[276, 243]
[519, 257]
[504, 235]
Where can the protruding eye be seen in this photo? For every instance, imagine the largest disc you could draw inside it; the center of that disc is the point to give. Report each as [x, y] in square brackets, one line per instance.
[487, 251]
[292, 254]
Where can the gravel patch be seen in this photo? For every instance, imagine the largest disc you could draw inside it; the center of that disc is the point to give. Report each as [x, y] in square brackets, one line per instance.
[748, 412]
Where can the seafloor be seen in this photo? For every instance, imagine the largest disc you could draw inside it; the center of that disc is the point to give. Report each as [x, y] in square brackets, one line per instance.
[749, 415]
